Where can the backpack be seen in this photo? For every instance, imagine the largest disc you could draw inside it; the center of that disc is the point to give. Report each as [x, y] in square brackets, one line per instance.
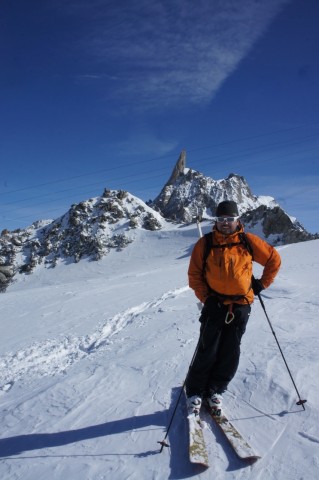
[239, 281]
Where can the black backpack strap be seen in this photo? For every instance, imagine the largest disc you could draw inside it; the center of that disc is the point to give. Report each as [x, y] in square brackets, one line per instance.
[208, 246]
[247, 244]
[244, 240]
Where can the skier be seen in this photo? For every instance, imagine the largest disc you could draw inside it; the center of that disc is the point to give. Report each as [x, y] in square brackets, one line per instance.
[220, 273]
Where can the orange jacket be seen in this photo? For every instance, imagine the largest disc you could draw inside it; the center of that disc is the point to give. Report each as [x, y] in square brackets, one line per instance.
[228, 270]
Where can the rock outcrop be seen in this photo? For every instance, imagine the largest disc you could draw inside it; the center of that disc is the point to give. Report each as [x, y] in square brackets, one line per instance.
[189, 194]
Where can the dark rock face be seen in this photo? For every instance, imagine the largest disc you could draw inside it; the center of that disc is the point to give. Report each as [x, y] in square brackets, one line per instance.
[277, 227]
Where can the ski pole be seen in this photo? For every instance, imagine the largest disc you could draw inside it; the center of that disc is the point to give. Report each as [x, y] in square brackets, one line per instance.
[300, 402]
[163, 443]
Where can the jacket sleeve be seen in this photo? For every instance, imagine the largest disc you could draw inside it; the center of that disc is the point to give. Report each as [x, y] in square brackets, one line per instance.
[267, 256]
[196, 279]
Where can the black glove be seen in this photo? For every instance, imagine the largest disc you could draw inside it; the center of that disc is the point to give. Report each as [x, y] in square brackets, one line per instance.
[208, 308]
[256, 285]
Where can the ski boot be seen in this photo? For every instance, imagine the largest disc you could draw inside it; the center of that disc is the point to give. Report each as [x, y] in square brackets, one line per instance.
[214, 402]
[194, 404]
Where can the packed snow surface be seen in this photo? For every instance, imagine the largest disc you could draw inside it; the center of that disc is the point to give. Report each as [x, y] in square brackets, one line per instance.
[93, 356]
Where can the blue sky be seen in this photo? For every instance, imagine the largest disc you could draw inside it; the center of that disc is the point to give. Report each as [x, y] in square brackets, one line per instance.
[105, 94]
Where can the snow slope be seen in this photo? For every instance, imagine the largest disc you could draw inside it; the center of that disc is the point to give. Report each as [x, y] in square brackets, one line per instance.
[93, 356]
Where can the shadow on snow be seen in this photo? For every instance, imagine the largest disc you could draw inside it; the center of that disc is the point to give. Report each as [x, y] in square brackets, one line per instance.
[177, 439]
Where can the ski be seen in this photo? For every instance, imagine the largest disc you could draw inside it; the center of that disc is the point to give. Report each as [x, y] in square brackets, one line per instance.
[197, 446]
[234, 437]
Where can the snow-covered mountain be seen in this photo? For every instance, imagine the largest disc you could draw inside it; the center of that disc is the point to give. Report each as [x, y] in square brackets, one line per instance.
[189, 193]
[89, 229]
[92, 228]
[93, 356]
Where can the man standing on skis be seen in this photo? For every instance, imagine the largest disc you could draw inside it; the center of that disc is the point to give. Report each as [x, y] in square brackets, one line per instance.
[220, 273]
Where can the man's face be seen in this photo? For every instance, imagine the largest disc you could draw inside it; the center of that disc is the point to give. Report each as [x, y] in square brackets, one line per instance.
[227, 225]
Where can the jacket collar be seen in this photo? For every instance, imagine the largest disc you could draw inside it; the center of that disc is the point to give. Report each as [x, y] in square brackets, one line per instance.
[232, 238]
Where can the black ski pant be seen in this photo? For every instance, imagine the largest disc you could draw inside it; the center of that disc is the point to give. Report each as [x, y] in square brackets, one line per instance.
[217, 358]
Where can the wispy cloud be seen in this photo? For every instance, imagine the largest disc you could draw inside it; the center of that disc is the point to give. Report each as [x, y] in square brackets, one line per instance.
[141, 143]
[167, 53]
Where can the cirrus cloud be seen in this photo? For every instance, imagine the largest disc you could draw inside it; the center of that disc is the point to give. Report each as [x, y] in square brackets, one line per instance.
[165, 53]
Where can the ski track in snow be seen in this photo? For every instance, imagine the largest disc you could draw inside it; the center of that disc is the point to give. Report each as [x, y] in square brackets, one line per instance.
[52, 356]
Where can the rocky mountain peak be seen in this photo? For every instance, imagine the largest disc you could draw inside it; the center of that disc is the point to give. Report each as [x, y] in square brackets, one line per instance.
[189, 193]
[178, 169]
[89, 229]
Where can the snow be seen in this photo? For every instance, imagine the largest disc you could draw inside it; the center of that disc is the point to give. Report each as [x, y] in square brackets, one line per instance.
[93, 356]
[267, 201]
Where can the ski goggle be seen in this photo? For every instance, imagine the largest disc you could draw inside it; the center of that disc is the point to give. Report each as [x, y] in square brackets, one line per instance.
[226, 219]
